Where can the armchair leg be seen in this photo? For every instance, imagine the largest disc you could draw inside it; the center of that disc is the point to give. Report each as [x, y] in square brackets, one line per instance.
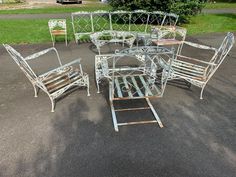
[53, 104]
[88, 86]
[114, 117]
[35, 91]
[98, 88]
[202, 92]
[115, 124]
[66, 39]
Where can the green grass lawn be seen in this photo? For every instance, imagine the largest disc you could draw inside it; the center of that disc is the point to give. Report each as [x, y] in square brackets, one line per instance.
[36, 31]
[28, 31]
[220, 5]
[209, 23]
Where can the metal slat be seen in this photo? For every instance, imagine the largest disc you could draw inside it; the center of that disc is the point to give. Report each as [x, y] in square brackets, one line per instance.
[132, 109]
[127, 86]
[188, 76]
[189, 67]
[61, 79]
[187, 64]
[55, 87]
[184, 71]
[118, 88]
[145, 85]
[136, 86]
[56, 75]
[138, 122]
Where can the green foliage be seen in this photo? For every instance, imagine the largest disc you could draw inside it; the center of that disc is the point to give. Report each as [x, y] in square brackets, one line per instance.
[184, 8]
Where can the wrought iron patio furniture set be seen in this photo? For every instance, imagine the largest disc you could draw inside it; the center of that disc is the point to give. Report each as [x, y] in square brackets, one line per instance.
[134, 73]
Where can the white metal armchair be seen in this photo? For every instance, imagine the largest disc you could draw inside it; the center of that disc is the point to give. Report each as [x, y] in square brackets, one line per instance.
[55, 82]
[197, 71]
[133, 76]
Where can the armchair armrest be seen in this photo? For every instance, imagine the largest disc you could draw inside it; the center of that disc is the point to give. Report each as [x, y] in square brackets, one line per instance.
[200, 46]
[63, 66]
[43, 52]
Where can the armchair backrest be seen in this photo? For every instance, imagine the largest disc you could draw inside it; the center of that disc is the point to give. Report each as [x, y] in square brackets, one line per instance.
[21, 62]
[221, 53]
[224, 49]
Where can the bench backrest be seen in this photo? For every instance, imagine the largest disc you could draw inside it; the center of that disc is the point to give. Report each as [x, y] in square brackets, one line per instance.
[139, 21]
[221, 54]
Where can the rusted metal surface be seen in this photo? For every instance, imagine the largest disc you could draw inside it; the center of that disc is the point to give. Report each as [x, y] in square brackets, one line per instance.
[54, 82]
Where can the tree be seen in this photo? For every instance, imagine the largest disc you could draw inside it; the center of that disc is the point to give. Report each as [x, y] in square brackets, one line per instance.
[184, 8]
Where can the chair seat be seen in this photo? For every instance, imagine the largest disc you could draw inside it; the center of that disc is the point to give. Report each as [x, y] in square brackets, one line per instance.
[167, 42]
[188, 70]
[58, 80]
[58, 32]
[134, 87]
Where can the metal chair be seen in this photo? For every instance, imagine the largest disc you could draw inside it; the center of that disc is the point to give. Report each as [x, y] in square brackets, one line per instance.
[133, 76]
[55, 82]
[57, 27]
[168, 36]
[197, 71]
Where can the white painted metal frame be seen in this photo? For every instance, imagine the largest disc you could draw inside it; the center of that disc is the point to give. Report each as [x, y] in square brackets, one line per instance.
[197, 71]
[138, 22]
[54, 82]
[57, 27]
[104, 71]
[136, 81]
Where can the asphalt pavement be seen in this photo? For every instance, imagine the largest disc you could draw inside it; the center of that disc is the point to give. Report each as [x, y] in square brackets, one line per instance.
[78, 140]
